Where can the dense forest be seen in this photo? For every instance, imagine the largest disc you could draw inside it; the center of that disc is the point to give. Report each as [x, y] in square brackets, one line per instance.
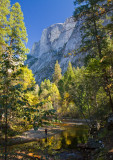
[84, 92]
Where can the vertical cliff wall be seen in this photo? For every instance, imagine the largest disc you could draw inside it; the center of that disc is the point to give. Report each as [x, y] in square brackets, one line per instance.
[56, 42]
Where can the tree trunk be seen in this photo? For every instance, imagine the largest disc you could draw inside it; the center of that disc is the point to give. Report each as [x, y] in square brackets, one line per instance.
[96, 35]
[108, 90]
[6, 130]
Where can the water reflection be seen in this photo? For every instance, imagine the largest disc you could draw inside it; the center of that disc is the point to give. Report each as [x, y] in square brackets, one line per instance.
[66, 140]
[72, 136]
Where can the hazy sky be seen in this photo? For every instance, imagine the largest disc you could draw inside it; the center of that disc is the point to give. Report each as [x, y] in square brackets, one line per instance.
[40, 14]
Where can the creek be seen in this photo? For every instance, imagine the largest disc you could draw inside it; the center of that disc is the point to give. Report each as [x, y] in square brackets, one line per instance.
[62, 145]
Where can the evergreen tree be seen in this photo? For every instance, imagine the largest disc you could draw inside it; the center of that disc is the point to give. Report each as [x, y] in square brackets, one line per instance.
[57, 73]
[64, 85]
[66, 80]
[68, 76]
[95, 38]
[93, 32]
[69, 72]
[13, 51]
[4, 13]
[55, 96]
[18, 35]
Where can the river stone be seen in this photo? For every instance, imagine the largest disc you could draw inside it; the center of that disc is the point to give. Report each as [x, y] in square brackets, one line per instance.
[93, 144]
[110, 121]
[70, 156]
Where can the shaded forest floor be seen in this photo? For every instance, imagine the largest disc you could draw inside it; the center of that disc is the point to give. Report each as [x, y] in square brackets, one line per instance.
[108, 141]
[105, 153]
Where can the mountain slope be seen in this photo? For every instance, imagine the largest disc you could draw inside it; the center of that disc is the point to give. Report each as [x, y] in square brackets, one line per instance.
[56, 42]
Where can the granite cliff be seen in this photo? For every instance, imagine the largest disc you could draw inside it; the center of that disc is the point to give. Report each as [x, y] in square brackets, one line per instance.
[56, 42]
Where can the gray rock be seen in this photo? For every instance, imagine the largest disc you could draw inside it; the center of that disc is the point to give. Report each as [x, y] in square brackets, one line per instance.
[110, 121]
[56, 42]
[110, 118]
[93, 144]
[72, 156]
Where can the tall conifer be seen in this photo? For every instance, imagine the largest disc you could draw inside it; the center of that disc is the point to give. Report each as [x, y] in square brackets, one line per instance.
[13, 37]
[95, 38]
[57, 73]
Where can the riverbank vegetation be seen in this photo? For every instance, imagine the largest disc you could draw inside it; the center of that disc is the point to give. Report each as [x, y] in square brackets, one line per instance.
[83, 92]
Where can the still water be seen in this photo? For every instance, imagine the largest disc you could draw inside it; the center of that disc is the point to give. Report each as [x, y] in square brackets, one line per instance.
[67, 140]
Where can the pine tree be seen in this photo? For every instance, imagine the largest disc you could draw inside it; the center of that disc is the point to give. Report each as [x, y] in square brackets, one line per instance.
[4, 12]
[70, 70]
[18, 35]
[68, 75]
[13, 49]
[93, 32]
[95, 38]
[66, 80]
[57, 73]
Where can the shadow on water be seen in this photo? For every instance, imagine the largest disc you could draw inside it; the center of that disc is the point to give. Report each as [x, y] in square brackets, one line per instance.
[65, 141]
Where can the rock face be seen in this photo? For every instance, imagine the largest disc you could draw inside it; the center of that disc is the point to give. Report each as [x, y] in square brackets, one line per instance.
[56, 42]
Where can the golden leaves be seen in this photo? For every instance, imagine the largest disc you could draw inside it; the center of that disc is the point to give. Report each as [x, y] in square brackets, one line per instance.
[102, 10]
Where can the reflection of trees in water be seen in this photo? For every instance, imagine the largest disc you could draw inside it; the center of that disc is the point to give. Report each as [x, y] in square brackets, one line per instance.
[65, 140]
[45, 140]
[82, 135]
[81, 139]
[73, 144]
[73, 136]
